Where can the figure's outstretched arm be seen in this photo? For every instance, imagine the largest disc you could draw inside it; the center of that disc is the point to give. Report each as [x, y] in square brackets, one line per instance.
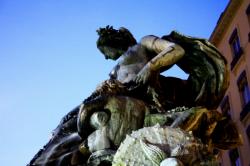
[168, 54]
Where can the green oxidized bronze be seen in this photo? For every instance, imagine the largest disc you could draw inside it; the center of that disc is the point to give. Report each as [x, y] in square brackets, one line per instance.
[140, 117]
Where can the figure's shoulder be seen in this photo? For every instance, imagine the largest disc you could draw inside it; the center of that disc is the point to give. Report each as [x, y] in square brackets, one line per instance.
[149, 38]
[151, 42]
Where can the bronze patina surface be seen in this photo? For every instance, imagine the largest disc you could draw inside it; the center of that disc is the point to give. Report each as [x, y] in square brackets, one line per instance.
[139, 116]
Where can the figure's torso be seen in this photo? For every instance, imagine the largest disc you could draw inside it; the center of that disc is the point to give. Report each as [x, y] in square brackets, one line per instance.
[130, 63]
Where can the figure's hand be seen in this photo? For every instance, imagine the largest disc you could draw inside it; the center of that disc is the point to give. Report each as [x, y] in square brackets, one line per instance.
[144, 75]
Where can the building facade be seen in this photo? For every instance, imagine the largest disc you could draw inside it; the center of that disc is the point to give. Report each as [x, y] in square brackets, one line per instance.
[232, 37]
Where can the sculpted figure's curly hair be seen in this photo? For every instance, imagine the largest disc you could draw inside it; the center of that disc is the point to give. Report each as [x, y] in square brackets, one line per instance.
[111, 37]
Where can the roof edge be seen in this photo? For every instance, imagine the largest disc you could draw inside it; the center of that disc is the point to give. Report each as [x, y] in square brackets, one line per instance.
[224, 21]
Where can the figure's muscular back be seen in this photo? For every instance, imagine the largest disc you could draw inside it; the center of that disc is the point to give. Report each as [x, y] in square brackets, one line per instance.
[130, 63]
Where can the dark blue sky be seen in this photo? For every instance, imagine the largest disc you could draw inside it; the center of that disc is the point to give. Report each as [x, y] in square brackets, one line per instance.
[49, 61]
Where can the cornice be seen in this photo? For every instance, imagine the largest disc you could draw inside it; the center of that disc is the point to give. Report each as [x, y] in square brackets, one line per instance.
[224, 21]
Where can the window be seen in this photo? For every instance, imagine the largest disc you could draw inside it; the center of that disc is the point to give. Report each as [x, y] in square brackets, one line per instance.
[234, 42]
[234, 157]
[248, 132]
[225, 107]
[248, 13]
[248, 17]
[243, 88]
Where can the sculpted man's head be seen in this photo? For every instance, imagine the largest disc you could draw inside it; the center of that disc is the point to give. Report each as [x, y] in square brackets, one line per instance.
[113, 43]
